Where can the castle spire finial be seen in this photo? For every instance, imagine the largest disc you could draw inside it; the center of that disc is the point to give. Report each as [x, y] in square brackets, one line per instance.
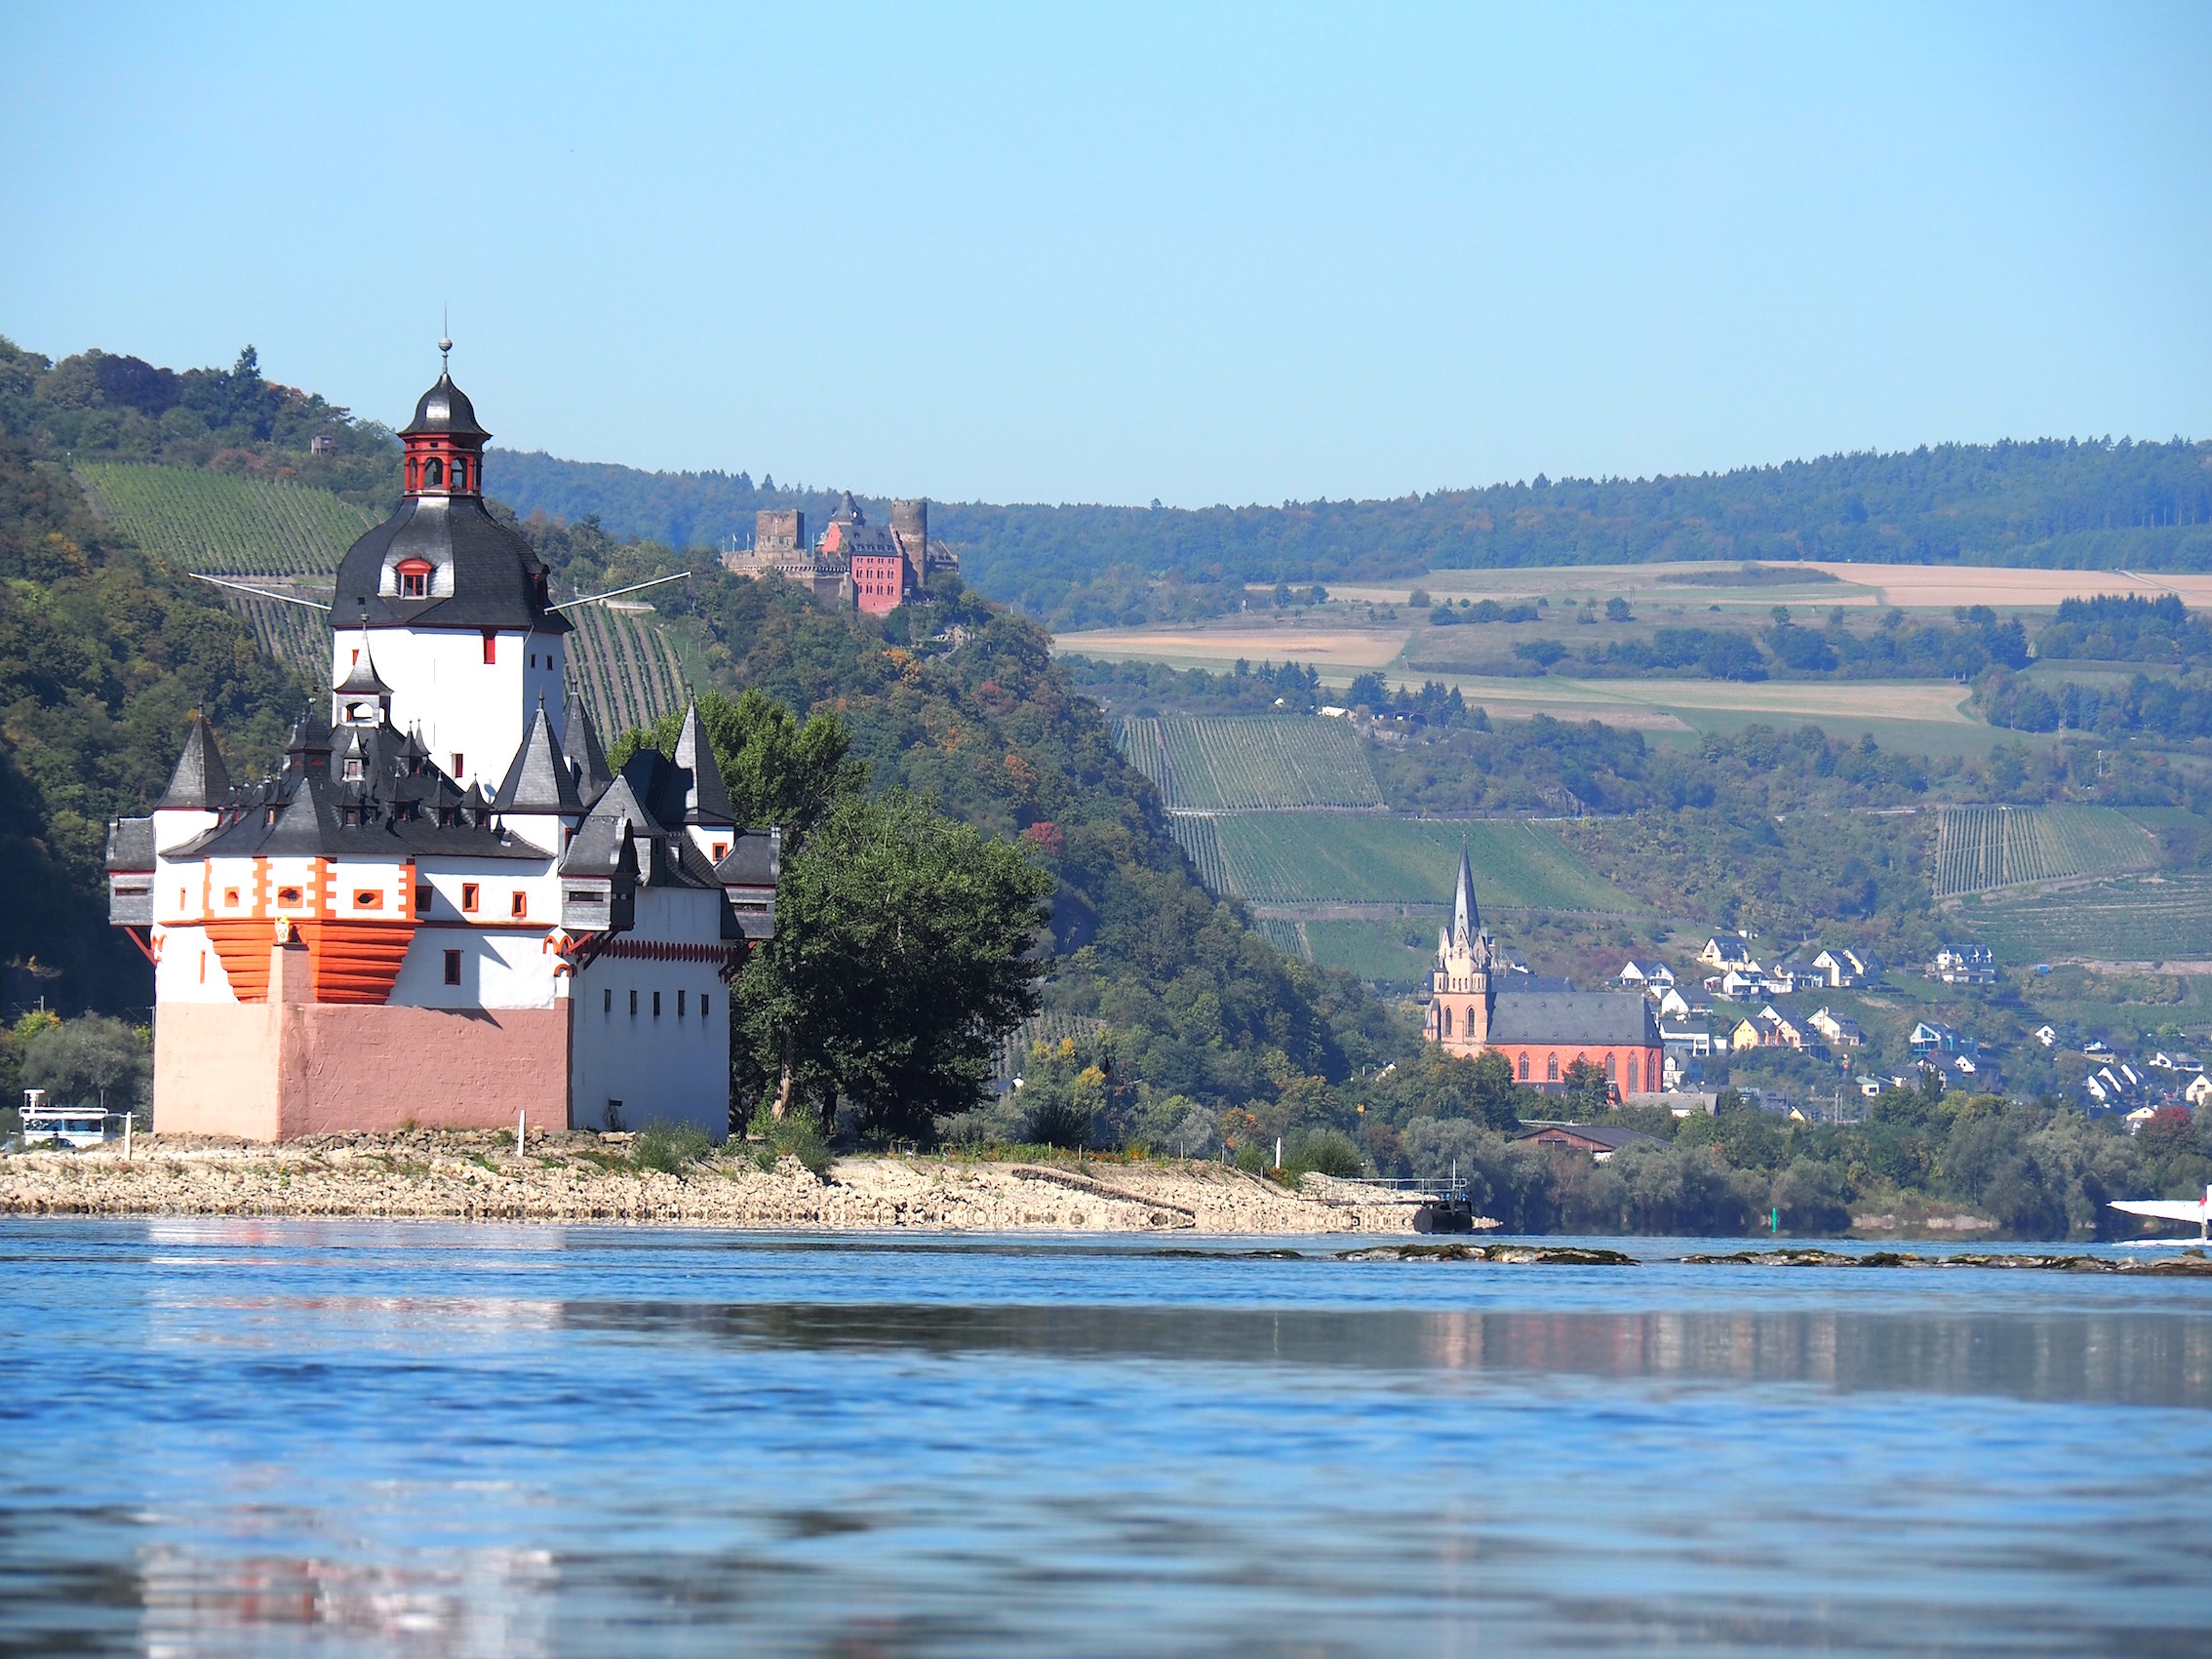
[445, 340]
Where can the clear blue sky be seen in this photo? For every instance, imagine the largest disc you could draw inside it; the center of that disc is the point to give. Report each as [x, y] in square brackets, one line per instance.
[1198, 253]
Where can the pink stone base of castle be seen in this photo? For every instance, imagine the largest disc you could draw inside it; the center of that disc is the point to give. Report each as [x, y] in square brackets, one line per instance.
[278, 1070]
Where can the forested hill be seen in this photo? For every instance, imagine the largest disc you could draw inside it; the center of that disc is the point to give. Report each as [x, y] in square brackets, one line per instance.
[2095, 504]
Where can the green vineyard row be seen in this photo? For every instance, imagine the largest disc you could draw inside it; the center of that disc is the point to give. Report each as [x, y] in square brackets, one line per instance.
[1981, 849]
[1250, 764]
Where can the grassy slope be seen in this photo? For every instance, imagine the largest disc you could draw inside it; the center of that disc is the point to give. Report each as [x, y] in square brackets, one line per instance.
[1362, 859]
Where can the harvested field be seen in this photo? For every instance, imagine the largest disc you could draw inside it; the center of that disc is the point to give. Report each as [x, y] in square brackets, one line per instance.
[1203, 647]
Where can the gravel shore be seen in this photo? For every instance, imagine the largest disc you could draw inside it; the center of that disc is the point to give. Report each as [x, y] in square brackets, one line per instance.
[581, 1177]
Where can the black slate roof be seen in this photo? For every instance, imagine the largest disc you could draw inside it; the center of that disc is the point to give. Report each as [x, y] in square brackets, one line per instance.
[482, 574]
[754, 860]
[539, 779]
[200, 781]
[444, 407]
[579, 745]
[398, 804]
[686, 790]
[129, 843]
[1621, 1019]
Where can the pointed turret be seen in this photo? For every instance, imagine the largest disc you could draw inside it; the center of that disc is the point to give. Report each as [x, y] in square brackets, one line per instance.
[539, 780]
[201, 782]
[706, 799]
[1466, 920]
[579, 747]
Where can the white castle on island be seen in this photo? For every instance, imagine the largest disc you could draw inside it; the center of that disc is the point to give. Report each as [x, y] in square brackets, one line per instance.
[443, 910]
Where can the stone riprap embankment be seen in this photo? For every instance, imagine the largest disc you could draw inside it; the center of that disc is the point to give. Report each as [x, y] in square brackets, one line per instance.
[580, 1177]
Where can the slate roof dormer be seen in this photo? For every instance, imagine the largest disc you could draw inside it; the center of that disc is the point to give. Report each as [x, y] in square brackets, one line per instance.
[201, 782]
[539, 780]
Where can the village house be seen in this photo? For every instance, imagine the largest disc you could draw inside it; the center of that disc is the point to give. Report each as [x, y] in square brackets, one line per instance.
[1841, 971]
[1601, 1141]
[1963, 964]
[1673, 1005]
[1724, 952]
[1841, 1033]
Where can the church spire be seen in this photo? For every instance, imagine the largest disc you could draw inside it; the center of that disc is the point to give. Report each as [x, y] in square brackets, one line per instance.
[1466, 920]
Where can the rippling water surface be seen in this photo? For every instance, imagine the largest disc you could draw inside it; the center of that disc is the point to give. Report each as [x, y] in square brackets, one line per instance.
[241, 1437]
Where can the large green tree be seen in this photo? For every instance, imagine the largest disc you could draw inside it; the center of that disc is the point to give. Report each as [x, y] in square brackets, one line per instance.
[905, 949]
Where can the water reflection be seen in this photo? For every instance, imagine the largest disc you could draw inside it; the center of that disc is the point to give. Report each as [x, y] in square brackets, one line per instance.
[2131, 1358]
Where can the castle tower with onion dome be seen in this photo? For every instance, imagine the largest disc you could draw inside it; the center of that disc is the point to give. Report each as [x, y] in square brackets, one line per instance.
[442, 909]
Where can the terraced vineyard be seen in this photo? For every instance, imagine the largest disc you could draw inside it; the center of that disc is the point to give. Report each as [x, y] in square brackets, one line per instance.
[1250, 764]
[283, 536]
[1323, 858]
[290, 538]
[222, 523]
[1195, 833]
[627, 667]
[2128, 919]
[1980, 849]
[1377, 951]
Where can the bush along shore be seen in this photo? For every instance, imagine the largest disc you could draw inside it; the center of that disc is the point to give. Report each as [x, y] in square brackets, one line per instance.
[675, 1178]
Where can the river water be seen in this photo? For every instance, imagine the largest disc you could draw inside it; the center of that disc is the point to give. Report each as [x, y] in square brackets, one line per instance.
[242, 1437]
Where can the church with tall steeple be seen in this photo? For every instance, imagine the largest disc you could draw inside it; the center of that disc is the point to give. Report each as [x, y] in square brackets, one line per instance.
[444, 909]
[1474, 1007]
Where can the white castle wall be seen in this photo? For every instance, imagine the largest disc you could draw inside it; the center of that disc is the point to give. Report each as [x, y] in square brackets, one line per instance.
[673, 1067]
[461, 704]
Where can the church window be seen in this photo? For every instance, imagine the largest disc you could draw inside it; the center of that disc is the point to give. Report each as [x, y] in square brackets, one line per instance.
[368, 898]
[453, 967]
[1632, 1069]
[1447, 1023]
[1552, 1068]
[1611, 1074]
[517, 906]
[1524, 1068]
[433, 473]
[468, 897]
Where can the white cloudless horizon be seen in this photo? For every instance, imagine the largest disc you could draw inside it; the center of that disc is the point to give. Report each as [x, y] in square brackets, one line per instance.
[1236, 254]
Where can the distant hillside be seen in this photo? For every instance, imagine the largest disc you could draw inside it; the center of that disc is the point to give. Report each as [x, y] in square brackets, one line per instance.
[2070, 503]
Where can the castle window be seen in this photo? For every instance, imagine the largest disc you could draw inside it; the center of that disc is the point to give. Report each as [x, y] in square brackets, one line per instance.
[288, 895]
[702, 1005]
[433, 473]
[656, 1005]
[608, 1006]
[679, 1004]
[231, 898]
[721, 851]
[1552, 1068]
[368, 898]
[456, 774]
[468, 897]
[633, 1004]
[490, 646]
[413, 578]
[453, 967]
[1524, 1068]
[517, 906]
[423, 898]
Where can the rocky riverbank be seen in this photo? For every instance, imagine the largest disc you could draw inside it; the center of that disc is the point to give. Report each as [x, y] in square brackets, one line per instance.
[586, 1178]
